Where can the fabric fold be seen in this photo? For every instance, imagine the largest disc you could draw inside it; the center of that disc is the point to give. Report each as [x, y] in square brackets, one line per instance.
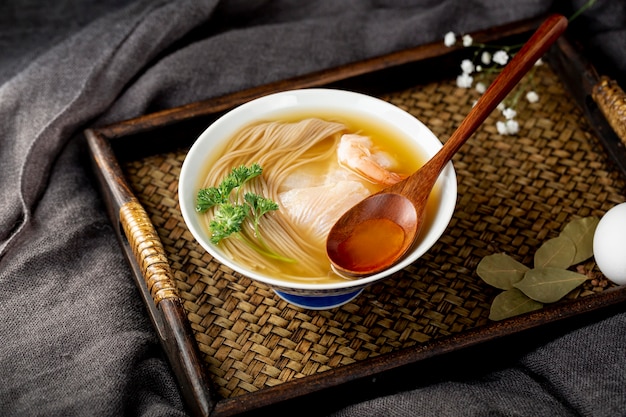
[69, 86]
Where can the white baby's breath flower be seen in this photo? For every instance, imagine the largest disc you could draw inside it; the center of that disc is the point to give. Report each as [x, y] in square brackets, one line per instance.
[509, 113]
[464, 80]
[449, 39]
[501, 127]
[500, 57]
[467, 66]
[538, 62]
[512, 127]
[532, 97]
[485, 58]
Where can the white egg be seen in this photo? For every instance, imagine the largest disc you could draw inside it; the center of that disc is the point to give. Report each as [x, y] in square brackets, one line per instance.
[609, 244]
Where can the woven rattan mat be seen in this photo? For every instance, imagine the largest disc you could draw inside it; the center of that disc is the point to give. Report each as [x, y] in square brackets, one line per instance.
[514, 193]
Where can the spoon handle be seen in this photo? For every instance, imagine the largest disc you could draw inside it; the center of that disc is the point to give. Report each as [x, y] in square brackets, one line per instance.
[511, 74]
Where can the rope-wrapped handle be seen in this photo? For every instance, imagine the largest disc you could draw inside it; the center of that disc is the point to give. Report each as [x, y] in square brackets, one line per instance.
[148, 251]
[611, 100]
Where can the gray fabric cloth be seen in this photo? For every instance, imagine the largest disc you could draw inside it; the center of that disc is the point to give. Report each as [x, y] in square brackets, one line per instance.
[76, 340]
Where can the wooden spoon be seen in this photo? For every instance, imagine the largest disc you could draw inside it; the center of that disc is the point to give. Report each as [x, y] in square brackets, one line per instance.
[377, 232]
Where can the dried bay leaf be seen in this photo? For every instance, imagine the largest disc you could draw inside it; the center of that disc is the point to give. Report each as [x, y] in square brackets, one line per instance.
[500, 270]
[548, 285]
[556, 253]
[511, 303]
[581, 232]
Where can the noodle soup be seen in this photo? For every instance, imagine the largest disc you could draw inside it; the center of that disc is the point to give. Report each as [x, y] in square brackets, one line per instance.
[321, 151]
[302, 172]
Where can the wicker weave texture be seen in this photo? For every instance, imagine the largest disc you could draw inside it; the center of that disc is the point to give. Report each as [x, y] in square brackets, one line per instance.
[514, 193]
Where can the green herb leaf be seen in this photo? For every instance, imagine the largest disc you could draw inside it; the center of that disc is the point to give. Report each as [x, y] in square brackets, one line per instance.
[209, 197]
[241, 175]
[548, 285]
[512, 303]
[556, 253]
[581, 232]
[228, 220]
[227, 186]
[259, 204]
[500, 270]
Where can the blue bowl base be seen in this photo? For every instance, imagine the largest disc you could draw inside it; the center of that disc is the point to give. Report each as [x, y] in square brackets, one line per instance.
[324, 302]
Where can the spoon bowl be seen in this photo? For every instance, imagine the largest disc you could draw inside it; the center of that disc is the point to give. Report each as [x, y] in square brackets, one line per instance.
[386, 217]
[377, 232]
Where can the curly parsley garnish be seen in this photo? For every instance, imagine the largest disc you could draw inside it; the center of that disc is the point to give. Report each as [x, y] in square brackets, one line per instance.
[232, 210]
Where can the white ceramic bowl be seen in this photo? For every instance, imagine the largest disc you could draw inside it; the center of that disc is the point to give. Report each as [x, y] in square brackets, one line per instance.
[312, 296]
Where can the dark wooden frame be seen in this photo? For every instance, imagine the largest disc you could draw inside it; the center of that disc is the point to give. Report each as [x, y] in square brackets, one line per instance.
[128, 138]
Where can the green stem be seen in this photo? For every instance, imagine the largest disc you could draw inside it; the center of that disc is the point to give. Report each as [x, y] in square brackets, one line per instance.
[263, 251]
[582, 10]
[507, 48]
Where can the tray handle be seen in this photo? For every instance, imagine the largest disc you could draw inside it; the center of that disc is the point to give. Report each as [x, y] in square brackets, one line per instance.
[148, 251]
[611, 100]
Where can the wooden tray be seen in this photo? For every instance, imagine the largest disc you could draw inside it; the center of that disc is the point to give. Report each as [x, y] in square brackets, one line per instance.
[236, 347]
